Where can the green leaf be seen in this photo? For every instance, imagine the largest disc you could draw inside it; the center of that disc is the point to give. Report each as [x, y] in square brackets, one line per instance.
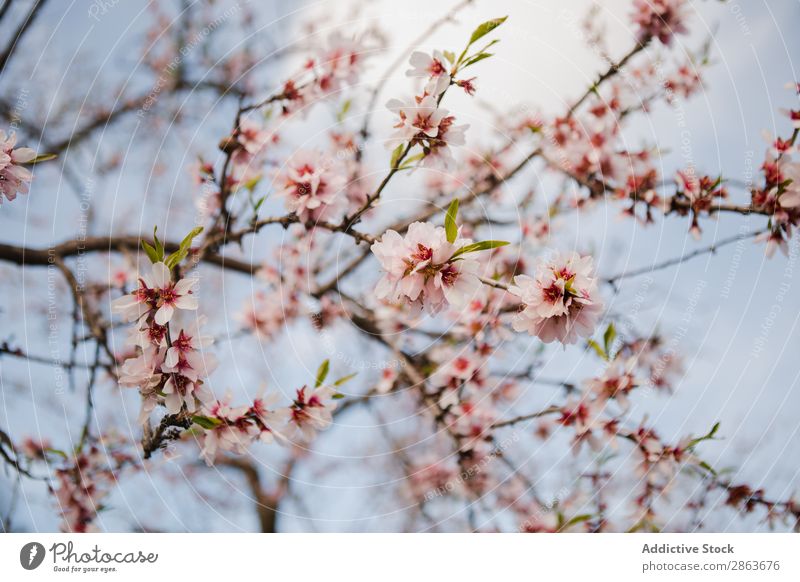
[708, 467]
[450, 226]
[596, 347]
[486, 28]
[41, 158]
[151, 252]
[337, 396]
[322, 373]
[608, 337]
[476, 59]
[450, 56]
[706, 437]
[252, 183]
[396, 153]
[258, 203]
[183, 251]
[410, 160]
[479, 246]
[58, 452]
[206, 422]
[577, 519]
[159, 247]
[344, 379]
[343, 111]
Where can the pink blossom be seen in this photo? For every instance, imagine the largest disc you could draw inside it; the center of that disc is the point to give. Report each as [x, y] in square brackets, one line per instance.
[419, 269]
[184, 385]
[561, 302]
[157, 295]
[615, 382]
[239, 427]
[418, 119]
[14, 178]
[312, 410]
[431, 67]
[791, 193]
[661, 19]
[340, 63]
[253, 136]
[312, 187]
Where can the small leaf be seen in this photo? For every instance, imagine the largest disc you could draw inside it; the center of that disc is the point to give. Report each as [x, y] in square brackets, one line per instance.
[252, 183]
[41, 158]
[577, 519]
[479, 246]
[206, 422]
[322, 373]
[396, 153]
[708, 467]
[706, 437]
[608, 337]
[477, 58]
[183, 251]
[158, 245]
[450, 226]
[258, 203]
[486, 28]
[596, 347]
[410, 160]
[337, 396]
[343, 111]
[151, 252]
[344, 379]
[56, 452]
[450, 56]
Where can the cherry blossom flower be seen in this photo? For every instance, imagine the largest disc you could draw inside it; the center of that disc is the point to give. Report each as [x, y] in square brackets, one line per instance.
[438, 151]
[661, 19]
[793, 115]
[419, 120]
[561, 302]
[616, 382]
[458, 369]
[253, 136]
[235, 429]
[312, 410]
[157, 295]
[419, 268]
[312, 187]
[14, 178]
[790, 198]
[184, 385]
[431, 67]
[142, 371]
[86, 479]
[340, 63]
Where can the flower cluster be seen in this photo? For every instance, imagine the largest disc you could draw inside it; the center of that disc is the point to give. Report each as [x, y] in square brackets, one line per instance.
[420, 268]
[701, 191]
[561, 301]
[172, 362]
[312, 187]
[422, 122]
[234, 429]
[14, 177]
[661, 19]
[339, 65]
[779, 197]
[86, 478]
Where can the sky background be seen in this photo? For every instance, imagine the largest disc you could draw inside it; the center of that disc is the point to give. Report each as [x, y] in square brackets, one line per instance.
[733, 314]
